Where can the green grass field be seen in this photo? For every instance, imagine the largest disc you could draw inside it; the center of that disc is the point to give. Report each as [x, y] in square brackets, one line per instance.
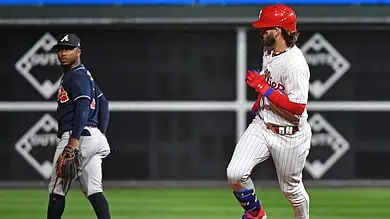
[198, 204]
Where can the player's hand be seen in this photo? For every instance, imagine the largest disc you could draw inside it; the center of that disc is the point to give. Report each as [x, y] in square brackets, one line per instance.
[256, 81]
[74, 142]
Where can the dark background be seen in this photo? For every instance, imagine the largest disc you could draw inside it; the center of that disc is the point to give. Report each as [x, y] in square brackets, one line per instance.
[193, 63]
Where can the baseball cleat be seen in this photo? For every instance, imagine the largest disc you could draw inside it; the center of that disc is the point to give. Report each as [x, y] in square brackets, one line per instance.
[260, 215]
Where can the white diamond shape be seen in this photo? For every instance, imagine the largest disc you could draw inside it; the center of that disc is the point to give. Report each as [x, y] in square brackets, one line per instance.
[339, 146]
[24, 66]
[24, 146]
[333, 59]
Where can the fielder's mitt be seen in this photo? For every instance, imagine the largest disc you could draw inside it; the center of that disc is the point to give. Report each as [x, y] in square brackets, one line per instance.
[68, 165]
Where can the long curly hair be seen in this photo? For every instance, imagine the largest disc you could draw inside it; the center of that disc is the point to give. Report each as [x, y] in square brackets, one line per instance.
[290, 38]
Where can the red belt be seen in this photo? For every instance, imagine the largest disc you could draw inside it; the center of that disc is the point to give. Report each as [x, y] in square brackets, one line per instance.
[282, 130]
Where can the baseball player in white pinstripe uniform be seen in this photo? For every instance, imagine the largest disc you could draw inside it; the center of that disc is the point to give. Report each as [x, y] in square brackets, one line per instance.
[279, 129]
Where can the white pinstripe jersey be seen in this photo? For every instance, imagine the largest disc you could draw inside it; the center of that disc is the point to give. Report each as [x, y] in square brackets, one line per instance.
[288, 73]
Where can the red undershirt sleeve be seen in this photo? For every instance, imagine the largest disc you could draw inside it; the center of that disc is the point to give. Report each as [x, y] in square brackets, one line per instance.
[296, 85]
[282, 101]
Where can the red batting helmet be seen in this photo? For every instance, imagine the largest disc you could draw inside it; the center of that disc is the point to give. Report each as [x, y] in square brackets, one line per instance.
[277, 16]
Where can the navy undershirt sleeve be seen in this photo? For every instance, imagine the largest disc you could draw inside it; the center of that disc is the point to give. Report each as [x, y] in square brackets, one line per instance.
[80, 116]
[104, 115]
[81, 91]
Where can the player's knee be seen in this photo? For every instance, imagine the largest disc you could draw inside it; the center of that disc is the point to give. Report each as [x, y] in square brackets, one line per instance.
[294, 195]
[289, 194]
[97, 188]
[235, 175]
[288, 190]
[232, 175]
[93, 191]
[88, 195]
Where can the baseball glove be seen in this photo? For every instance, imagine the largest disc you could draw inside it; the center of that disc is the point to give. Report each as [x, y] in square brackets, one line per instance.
[68, 165]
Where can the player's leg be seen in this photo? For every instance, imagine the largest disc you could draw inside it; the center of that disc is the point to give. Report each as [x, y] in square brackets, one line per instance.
[91, 177]
[250, 150]
[56, 203]
[289, 154]
[91, 183]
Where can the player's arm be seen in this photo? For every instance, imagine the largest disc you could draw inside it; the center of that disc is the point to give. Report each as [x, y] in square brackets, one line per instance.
[81, 91]
[294, 101]
[104, 113]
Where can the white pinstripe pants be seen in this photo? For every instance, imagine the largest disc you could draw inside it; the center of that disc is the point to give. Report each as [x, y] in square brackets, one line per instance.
[289, 154]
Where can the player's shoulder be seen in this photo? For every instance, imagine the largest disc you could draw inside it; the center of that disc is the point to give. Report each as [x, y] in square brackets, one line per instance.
[296, 52]
[296, 61]
[80, 71]
[297, 58]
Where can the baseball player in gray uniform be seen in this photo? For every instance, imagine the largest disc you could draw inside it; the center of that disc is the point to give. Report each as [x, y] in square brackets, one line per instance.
[83, 117]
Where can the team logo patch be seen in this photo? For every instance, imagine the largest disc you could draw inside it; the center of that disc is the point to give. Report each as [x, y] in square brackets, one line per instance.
[327, 147]
[65, 38]
[38, 144]
[62, 95]
[37, 66]
[326, 61]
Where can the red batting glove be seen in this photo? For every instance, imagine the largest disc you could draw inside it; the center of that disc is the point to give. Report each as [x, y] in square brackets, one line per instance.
[256, 81]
